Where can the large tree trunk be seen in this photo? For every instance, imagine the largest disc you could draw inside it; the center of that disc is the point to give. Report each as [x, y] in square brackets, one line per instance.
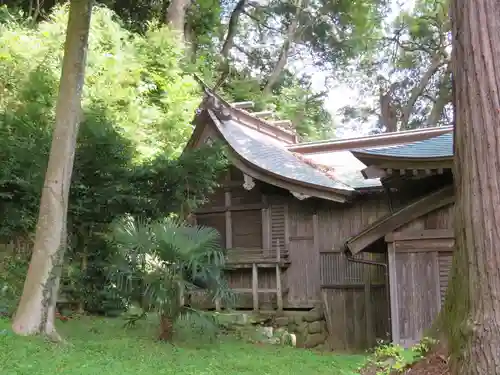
[36, 310]
[472, 308]
[176, 15]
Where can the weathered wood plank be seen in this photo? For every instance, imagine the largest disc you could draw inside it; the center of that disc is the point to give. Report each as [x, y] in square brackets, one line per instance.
[393, 285]
[420, 235]
[397, 219]
[255, 287]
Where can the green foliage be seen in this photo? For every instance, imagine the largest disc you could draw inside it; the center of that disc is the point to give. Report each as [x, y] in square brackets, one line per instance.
[137, 109]
[159, 261]
[389, 359]
[13, 268]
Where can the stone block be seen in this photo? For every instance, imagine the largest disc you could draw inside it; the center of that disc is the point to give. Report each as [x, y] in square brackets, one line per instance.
[314, 315]
[315, 327]
[281, 321]
[313, 340]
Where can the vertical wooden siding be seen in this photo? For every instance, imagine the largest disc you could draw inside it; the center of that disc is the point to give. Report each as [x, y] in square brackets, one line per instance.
[354, 294]
[302, 276]
[420, 257]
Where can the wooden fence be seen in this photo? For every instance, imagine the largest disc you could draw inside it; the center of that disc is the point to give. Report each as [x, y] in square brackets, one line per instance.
[355, 300]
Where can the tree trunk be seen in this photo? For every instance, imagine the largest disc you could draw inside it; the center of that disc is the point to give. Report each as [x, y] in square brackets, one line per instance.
[166, 328]
[472, 308]
[232, 28]
[285, 50]
[176, 15]
[36, 310]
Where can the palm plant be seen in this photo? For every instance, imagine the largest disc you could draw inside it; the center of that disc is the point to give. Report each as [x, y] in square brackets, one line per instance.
[161, 261]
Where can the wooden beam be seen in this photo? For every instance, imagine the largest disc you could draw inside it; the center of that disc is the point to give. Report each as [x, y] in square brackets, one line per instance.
[255, 287]
[238, 207]
[262, 114]
[420, 235]
[390, 223]
[282, 123]
[404, 163]
[242, 105]
[279, 292]
[229, 223]
[368, 306]
[393, 293]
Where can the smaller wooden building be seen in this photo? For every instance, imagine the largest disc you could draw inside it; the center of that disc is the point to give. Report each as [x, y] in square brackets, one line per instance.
[419, 236]
[306, 225]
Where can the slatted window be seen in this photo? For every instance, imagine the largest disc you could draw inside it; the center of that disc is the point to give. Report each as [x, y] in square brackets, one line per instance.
[216, 221]
[277, 217]
[247, 229]
[445, 260]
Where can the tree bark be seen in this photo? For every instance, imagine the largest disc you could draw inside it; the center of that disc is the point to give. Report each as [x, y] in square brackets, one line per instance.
[232, 28]
[472, 308]
[36, 310]
[285, 50]
[442, 99]
[417, 91]
[176, 15]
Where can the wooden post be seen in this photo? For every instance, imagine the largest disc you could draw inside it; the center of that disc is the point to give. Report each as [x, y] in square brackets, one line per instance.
[217, 304]
[393, 292]
[255, 286]
[279, 294]
[229, 224]
[181, 294]
[370, 337]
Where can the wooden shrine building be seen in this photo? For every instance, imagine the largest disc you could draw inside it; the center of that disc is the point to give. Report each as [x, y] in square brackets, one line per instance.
[358, 226]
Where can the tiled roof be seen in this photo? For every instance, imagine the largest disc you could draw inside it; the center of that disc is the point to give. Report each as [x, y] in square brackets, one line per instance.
[271, 155]
[346, 167]
[436, 147]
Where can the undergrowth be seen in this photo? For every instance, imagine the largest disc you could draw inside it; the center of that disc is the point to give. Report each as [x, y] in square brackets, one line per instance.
[391, 359]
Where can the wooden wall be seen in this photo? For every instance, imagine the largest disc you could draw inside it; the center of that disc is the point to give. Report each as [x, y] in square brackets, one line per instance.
[420, 255]
[310, 235]
[354, 294]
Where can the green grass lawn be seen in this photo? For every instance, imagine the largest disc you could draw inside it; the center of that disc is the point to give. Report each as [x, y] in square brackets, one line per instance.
[98, 346]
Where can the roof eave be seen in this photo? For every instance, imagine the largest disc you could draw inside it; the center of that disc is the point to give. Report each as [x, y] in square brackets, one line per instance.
[336, 195]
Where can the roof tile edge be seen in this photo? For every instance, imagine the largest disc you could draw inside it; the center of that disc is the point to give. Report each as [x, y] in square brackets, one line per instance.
[377, 140]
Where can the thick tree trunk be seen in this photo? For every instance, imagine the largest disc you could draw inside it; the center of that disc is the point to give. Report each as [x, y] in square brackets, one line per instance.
[176, 15]
[36, 310]
[472, 308]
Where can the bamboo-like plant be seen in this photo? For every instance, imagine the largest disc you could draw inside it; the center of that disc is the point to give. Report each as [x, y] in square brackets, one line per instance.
[162, 261]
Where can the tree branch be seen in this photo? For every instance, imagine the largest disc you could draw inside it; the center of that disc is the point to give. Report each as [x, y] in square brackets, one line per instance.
[443, 98]
[417, 91]
[285, 50]
[232, 28]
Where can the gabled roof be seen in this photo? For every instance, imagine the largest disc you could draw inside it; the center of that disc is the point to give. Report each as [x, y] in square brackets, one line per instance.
[270, 155]
[440, 146]
[271, 152]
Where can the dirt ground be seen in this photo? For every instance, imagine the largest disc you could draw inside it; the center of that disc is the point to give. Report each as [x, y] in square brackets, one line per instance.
[435, 363]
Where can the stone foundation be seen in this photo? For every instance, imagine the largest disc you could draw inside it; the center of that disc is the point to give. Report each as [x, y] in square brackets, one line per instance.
[309, 327]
